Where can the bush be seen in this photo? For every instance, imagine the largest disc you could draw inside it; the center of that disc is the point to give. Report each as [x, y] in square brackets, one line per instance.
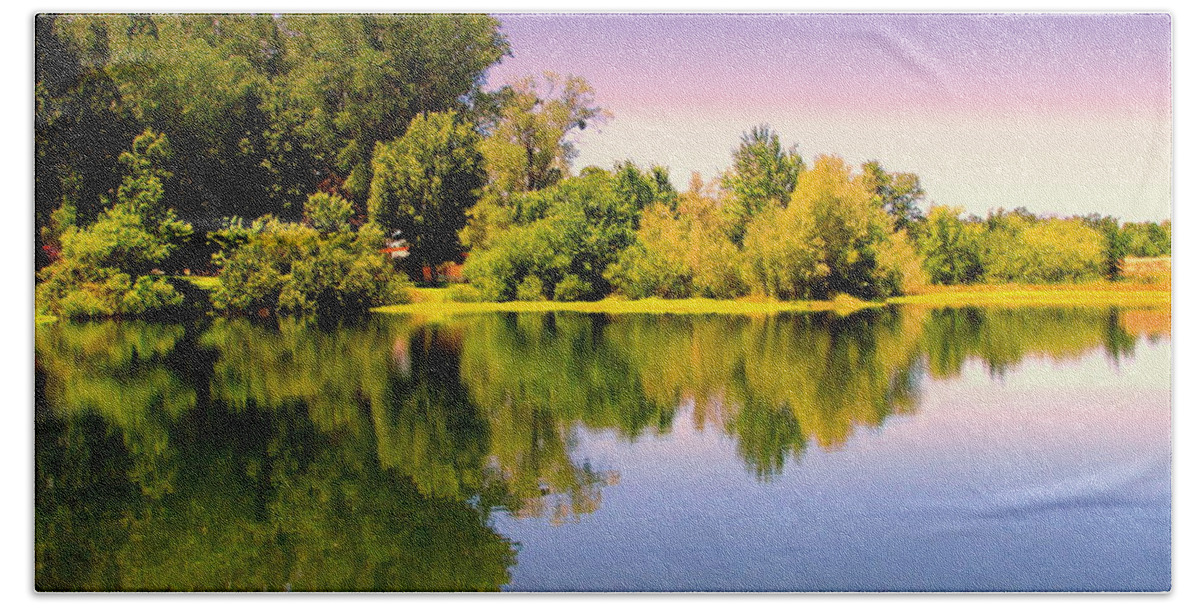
[295, 269]
[149, 294]
[643, 271]
[530, 289]
[571, 288]
[952, 248]
[103, 268]
[1029, 250]
[680, 252]
[463, 293]
[328, 212]
[782, 258]
[576, 227]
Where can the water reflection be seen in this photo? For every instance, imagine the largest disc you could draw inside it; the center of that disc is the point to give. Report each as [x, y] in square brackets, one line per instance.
[231, 454]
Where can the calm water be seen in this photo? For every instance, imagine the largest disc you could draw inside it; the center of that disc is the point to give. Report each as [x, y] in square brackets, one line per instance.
[904, 449]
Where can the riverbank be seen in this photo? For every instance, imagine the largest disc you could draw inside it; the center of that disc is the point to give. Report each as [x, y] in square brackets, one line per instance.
[1085, 294]
[433, 301]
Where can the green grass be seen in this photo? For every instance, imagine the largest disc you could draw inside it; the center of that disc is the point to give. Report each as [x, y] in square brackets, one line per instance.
[205, 283]
[1087, 294]
[431, 301]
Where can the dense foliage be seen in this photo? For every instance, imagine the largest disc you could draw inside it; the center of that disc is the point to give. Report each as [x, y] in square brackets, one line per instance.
[424, 183]
[560, 240]
[385, 120]
[833, 237]
[319, 267]
[104, 269]
[763, 174]
[681, 252]
[261, 109]
[1017, 246]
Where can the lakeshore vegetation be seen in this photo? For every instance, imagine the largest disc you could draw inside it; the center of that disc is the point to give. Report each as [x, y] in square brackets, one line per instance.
[281, 156]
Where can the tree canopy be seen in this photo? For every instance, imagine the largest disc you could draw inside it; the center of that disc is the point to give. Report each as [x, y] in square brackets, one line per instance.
[424, 182]
[260, 109]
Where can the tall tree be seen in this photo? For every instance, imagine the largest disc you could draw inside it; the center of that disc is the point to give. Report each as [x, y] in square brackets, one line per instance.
[530, 146]
[763, 174]
[260, 109]
[899, 194]
[424, 182]
[80, 128]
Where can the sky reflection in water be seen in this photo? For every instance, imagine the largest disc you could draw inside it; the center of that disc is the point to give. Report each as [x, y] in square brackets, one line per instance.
[906, 449]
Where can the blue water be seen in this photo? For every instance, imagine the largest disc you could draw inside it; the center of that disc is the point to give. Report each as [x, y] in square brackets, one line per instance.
[1055, 477]
[901, 449]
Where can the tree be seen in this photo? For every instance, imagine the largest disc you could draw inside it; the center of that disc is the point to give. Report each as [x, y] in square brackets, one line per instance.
[530, 146]
[763, 174]
[951, 247]
[897, 193]
[423, 184]
[261, 109]
[830, 239]
[577, 228]
[1018, 246]
[80, 127]
[104, 267]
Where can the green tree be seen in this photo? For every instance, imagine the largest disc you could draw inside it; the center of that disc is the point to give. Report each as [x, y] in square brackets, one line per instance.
[951, 247]
[577, 227]
[1021, 247]
[763, 174]
[530, 146]
[423, 184]
[900, 194]
[104, 267]
[80, 127]
[262, 109]
[850, 229]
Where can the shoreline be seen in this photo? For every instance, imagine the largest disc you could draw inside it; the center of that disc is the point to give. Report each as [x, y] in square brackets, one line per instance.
[431, 301]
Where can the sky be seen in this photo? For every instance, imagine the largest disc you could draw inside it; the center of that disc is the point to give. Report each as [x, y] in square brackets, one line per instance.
[1059, 113]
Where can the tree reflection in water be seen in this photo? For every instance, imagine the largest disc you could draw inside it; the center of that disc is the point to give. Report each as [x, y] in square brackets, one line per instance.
[238, 455]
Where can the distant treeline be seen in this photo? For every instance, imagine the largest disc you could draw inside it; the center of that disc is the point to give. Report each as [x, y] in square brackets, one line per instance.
[340, 132]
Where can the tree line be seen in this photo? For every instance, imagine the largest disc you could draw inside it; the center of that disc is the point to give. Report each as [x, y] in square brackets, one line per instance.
[298, 144]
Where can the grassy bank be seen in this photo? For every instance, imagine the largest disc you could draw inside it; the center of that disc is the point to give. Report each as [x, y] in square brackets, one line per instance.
[433, 301]
[1101, 293]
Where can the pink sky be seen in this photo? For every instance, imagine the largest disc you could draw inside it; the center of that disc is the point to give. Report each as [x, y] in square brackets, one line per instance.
[1065, 113]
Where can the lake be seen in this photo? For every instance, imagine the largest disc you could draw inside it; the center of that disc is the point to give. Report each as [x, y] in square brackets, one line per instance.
[898, 449]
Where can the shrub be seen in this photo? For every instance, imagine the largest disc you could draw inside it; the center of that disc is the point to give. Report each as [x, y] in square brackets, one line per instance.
[1050, 250]
[328, 212]
[952, 248]
[576, 227]
[571, 288]
[680, 252]
[643, 270]
[463, 293]
[781, 258]
[103, 268]
[295, 269]
[530, 289]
